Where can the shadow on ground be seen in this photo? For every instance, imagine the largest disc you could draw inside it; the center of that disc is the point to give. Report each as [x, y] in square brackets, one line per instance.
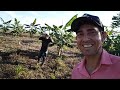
[32, 54]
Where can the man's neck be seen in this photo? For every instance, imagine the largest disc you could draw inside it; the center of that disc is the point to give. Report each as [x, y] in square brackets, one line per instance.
[92, 62]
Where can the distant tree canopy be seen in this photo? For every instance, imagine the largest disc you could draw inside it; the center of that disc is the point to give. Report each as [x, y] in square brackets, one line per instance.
[116, 21]
[112, 43]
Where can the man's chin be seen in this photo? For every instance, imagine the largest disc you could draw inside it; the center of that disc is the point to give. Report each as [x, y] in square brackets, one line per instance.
[89, 54]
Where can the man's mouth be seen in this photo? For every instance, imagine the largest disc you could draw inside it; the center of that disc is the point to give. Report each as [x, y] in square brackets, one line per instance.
[87, 46]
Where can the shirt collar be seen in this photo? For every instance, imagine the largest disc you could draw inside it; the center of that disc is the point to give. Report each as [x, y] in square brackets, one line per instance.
[82, 68]
[105, 59]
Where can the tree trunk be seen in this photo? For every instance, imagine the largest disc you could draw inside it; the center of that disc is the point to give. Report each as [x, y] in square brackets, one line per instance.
[59, 51]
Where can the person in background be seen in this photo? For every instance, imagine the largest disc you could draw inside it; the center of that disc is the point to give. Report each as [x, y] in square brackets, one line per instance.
[97, 62]
[46, 40]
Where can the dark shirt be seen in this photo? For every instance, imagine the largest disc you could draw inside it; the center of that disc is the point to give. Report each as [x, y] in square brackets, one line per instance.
[45, 43]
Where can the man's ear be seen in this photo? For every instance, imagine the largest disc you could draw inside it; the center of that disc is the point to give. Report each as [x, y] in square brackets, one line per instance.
[76, 37]
[104, 36]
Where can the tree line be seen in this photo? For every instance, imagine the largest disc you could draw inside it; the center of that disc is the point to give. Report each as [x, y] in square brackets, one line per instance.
[60, 34]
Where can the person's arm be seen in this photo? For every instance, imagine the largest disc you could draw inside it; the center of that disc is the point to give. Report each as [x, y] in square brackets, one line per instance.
[40, 38]
[51, 42]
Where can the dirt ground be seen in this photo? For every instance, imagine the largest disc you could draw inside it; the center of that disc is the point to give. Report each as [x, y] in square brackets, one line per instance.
[18, 59]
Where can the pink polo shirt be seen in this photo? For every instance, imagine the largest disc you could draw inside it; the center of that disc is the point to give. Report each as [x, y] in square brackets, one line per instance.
[109, 68]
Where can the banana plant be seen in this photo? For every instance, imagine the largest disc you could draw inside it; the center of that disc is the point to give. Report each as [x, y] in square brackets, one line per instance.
[61, 36]
[17, 28]
[112, 41]
[43, 29]
[5, 26]
[108, 43]
[32, 27]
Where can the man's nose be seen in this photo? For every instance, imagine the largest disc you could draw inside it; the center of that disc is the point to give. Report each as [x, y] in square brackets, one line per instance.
[86, 38]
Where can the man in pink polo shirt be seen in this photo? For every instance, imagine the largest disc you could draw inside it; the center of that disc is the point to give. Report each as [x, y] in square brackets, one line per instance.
[97, 62]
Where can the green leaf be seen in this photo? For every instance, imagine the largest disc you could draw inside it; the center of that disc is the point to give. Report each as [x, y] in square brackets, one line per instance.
[70, 22]
[49, 27]
[15, 20]
[60, 26]
[7, 22]
[2, 20]
[26, 25]
[55, 27]
[110, 33]
[34, 21]
[1, 25]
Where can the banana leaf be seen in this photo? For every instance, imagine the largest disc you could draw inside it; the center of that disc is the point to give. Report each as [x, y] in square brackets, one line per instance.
[70, 21]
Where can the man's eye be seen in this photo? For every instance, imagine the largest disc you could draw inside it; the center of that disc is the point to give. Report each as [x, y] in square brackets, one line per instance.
[79, 34]
[92, 33]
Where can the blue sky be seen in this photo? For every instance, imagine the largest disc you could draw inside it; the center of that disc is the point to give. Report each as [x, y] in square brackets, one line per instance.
[54, 17]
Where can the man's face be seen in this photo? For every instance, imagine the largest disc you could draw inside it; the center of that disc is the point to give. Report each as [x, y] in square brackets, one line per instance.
[89, 39]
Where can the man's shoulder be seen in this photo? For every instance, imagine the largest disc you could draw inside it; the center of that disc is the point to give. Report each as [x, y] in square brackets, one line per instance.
[115, 59]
